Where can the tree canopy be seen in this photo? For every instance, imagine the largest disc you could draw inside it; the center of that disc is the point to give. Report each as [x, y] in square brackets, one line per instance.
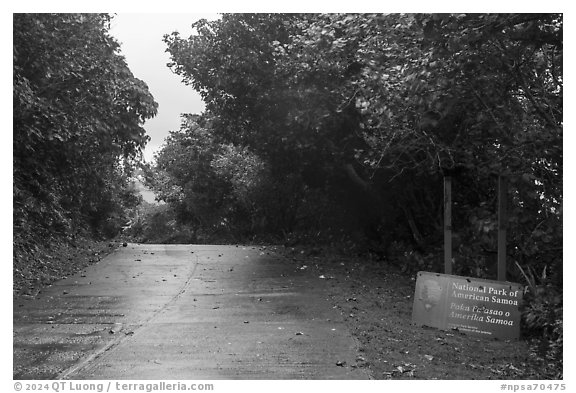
[78, 116]
[390, 103]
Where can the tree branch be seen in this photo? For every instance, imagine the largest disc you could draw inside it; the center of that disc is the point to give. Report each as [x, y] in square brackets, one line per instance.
[531, 98]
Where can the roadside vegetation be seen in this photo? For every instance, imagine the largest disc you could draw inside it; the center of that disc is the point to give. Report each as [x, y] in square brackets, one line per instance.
[78, 115]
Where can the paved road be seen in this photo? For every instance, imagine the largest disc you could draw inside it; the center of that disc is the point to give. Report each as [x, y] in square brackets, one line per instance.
[185, 312]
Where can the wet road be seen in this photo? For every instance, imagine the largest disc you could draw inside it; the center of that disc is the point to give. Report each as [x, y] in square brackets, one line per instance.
[185, 312]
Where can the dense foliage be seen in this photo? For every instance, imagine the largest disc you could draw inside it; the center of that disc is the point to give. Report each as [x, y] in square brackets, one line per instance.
[78, 115]
[359, 117]
[377, 108]
[219, 191]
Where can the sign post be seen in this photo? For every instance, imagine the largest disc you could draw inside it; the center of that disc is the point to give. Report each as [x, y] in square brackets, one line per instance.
[502, 224]
[447, 225]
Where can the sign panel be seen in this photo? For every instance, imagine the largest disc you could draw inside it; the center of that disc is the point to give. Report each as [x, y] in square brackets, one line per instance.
[471, 305]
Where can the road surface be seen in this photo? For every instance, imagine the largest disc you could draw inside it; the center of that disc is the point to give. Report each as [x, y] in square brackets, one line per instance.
[185, 312]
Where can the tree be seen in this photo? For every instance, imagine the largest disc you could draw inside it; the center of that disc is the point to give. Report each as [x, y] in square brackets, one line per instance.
[216, 187]
[392, 103]
[184, 177]
[78, 116]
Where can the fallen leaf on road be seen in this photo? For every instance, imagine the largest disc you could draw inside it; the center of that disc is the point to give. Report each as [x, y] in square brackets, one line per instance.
[428, 357]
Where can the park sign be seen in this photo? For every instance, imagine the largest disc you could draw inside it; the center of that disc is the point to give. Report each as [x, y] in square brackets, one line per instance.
[474, 306]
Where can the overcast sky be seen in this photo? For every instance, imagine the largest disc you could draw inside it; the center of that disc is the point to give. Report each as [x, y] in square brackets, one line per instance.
[140, 36]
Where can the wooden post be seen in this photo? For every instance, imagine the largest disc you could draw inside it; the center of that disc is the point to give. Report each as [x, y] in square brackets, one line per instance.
[447, 225]
[502, 224]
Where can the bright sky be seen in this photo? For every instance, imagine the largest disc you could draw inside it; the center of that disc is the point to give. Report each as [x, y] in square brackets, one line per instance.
[140, 36]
